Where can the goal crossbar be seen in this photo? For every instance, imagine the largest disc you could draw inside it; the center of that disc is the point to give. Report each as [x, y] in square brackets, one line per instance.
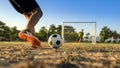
[78, 22]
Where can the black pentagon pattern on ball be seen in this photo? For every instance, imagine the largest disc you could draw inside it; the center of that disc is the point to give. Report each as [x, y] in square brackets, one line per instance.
[58, 42]
[55, 35]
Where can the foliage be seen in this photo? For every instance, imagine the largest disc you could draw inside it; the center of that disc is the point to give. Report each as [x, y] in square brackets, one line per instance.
[59, 29]
[4, 31]
[70, 34]
[43, 34]
[87, 36]
[114, 34]
[52, 29]
[14, 33]
[10, 33]
[7, 33]
[107, 33]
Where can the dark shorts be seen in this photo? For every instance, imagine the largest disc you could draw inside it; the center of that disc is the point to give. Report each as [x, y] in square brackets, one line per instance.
[24, 6]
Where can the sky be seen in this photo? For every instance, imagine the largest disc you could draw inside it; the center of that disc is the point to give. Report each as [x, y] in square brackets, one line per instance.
[103, 12]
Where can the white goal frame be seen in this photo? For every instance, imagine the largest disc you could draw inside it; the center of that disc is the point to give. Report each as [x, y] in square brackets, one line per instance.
[94, 28]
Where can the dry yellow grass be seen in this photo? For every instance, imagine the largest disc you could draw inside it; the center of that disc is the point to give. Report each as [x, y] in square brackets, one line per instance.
[70, 55]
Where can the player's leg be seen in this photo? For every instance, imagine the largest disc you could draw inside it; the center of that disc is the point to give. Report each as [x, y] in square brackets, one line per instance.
[33, 19]
[32, 13]
[29, 10]
[27, 35]
[80, 39]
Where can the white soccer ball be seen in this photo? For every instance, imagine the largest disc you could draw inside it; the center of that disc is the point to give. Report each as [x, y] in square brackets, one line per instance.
[55, 41]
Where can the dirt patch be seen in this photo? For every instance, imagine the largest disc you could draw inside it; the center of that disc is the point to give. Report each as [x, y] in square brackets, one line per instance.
[71, 55]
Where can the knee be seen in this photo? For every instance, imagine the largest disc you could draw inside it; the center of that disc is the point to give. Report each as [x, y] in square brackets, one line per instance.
[38, 11]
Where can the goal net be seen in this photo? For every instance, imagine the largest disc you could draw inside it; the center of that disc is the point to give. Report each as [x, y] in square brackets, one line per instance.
[70, 31]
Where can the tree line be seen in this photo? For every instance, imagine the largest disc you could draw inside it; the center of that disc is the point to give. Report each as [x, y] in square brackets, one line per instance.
[106, 33]
[7, 33]
[11, 33]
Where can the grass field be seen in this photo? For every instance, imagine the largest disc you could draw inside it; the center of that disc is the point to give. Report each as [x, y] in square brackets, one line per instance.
[70, 55]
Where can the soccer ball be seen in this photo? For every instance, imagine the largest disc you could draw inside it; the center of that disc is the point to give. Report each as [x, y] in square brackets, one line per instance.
[55, 41]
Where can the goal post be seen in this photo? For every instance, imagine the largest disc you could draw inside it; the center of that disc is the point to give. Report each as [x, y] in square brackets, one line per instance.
[69, 22]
